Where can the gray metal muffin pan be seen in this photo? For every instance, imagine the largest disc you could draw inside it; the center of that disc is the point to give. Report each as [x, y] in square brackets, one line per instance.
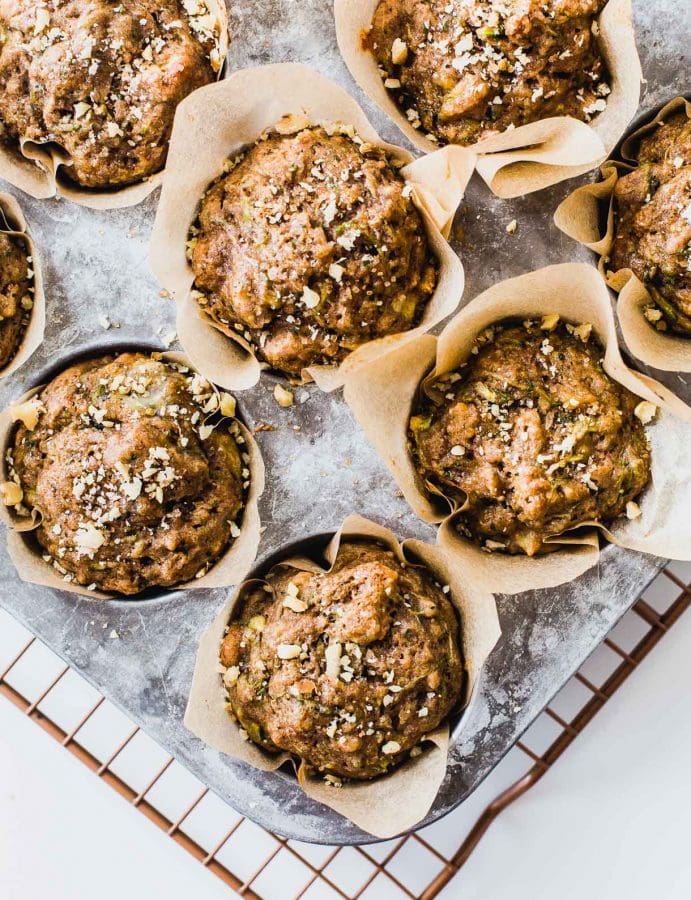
[319, 465]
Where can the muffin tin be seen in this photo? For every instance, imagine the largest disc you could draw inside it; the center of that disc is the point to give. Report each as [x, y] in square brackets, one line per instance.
[140, 653]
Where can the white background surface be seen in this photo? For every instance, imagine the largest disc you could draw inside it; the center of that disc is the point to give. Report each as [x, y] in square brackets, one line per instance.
[66, 835]
[611, 820]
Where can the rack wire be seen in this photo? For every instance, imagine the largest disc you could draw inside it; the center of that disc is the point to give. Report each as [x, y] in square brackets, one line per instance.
[418, 865]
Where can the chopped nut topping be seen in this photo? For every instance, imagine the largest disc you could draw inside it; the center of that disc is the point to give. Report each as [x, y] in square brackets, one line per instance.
[288, 651]
[12, 494]
[332, 657]
[27, 412]
[583, 331]
[645, 411]
[291, 124]
[228, 405]
[399, 52]
[231, 675]
[294, 604]
[283, 396]
[310, 298]
[550, 322]
[633, 510]
[390, 747]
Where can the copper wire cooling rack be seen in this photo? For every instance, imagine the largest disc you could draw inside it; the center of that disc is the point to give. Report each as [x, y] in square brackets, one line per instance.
[418, 865]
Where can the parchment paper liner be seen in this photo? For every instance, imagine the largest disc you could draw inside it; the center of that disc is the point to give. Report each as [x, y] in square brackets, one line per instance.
[533, 156]
[34, 167]
[231, 567]
[12, 222]
[580, 216]
[393, 803]
[232, 115]
[381, 398]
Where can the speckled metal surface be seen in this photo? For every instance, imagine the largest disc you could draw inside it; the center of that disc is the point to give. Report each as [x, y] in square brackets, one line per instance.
[319, 465]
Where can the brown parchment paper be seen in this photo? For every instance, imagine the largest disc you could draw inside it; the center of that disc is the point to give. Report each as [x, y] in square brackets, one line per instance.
[581, 216]
[230, 568]
[394, 803]
[232, 115]
[12, 222]
[381, 398]
[35, 167]
[530, 157]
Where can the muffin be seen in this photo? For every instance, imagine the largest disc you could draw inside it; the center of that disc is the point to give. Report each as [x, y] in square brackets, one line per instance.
[132, 485]
[348, 669]
[531, 437]
[16, 295]
[652, 207]
[462, 70]
[101, 81]
[310, 246]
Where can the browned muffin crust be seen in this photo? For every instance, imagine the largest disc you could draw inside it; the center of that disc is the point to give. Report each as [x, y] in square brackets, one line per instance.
[311, 246]
[133, 486]
[102, 79]
[461, 70]
[533, 436]
[16, 295]
[346, 670]
[653, 223]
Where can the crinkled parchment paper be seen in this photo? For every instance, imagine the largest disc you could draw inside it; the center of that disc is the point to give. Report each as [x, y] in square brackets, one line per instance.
[219, 121]
[35, 167]
[382, 396]
[581, 216]
[12, 222]
[393, 803]
[26, 554]
[530, 157]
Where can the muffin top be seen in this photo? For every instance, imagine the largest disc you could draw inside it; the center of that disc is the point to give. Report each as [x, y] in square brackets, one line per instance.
[653, 223]
[461, 70]
[310, 246]
[347, 670]
[101, 80]
[16, 294]
[531, 437]
[133, 485]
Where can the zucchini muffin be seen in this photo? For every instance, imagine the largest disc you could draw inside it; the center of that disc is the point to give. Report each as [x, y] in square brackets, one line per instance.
[652, 208]
[101, 80]
[461, 70]
[16, 295]
[531, 437]
[311, 246]
[346, 670]
[133, 486]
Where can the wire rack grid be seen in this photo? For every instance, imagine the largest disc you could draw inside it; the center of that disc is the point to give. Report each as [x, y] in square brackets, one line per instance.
[250, 860]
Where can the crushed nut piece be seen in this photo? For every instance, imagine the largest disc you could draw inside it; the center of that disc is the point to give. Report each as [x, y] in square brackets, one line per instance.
[283, 397]
[11, 493]
[399, 52]
[645, 411]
